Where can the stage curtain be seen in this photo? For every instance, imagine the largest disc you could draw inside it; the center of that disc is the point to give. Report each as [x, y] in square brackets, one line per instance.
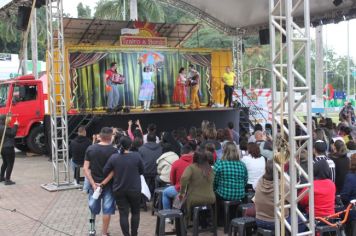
[91, 85]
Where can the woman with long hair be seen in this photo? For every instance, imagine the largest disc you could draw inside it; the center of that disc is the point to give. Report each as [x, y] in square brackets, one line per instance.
[230, 175]
[197, 182]
[180, 90]
[342, 163]
[126, 168]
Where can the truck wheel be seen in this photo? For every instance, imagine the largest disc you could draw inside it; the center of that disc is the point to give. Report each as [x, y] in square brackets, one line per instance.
[36, 140]
[22, 147]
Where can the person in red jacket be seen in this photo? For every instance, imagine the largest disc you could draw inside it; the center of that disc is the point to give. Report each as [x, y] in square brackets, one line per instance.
[324, 192]
[177, 170]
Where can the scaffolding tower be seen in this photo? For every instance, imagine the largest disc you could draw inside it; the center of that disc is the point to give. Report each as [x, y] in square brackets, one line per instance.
[57, 97]
[288, 81]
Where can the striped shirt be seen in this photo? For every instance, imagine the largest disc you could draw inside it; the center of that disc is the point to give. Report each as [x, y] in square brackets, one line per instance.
[331, 165]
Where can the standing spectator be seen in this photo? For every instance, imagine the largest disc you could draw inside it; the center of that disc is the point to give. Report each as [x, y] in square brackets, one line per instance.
[266, 146]
[77, 148]
[254, 163]
[197, 183]
[230, 175]
[351, 146]
[347, 113]
[324, 192]
[127, 168]
[342, 163]
[234, 133]
[167, 138]
[8, 148]
[258, 127]
[320, 156]
[177, 170]
[151, 129]
[164, 165]
[150, 152]
[96, 158]
[348, 192]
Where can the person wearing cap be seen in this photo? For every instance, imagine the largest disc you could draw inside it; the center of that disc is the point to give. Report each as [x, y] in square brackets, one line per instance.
[320, 157]
[7, 148]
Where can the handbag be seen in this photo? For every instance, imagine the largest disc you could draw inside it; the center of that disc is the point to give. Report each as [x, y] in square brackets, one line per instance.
[179, 203]
[118, 79]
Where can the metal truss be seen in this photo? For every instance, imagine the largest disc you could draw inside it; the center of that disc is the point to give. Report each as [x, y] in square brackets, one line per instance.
[288, 80]
[57, 96]
[237, 48]
[201, 15]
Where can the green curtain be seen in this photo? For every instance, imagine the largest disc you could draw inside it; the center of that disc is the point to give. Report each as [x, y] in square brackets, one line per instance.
[91, 84]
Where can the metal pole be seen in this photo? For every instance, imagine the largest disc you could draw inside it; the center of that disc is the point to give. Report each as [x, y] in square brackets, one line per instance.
[326, 70]
[319, 66]
[24, 57]
[133, 10]
[34, 43]
[348, 61]
[124, 10]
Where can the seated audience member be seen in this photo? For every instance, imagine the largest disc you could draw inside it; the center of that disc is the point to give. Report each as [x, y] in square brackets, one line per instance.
[342, 163]
[211, 137]
[254, 163]
[151, 129]
[235, 135]
[126, 168]
[192, 136]
[348, 191]
[168, 138]
[220, 136]
[177, 170]
[164, 165]
[266, 147]
[264, 199]
[319, 151]
[197, 183]
[252, 138]
[230, 175]
[324, 191]
[181, 134]
[351, 146]
[210, 147]
[150, 152]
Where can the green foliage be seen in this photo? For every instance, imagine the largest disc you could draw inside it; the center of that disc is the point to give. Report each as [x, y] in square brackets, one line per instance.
[83, 11]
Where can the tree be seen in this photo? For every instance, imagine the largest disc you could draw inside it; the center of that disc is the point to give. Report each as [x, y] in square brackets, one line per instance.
[83, 11]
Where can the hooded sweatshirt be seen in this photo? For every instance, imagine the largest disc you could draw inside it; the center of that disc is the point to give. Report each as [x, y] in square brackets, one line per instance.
[77, 149]
[164, 165]
[150, 152]
[178, 168]
[264, 200]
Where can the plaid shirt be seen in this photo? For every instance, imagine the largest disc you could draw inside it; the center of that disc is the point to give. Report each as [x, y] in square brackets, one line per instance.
[230, 179]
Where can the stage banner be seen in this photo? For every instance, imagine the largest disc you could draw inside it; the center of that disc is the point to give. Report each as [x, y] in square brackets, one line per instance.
[259, 102]
[138, 41]
[89, 90]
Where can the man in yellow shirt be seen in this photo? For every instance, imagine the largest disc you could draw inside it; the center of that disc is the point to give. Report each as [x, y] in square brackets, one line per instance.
[229, 79]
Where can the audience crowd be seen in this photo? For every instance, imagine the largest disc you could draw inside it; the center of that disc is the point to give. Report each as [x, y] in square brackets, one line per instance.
[208, 165]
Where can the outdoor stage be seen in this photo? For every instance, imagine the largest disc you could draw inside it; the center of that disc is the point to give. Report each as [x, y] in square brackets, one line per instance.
[165, 119]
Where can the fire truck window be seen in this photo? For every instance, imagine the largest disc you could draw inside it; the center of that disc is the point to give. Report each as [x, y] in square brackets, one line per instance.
[23, 93]
[4, 91]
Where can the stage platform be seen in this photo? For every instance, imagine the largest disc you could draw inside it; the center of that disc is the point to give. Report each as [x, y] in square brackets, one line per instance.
[166, 119]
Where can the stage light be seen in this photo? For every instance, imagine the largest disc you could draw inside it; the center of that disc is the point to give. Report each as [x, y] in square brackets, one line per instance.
[337, 2]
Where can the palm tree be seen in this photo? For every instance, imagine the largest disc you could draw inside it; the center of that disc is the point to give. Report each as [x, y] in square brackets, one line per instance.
[148, 10]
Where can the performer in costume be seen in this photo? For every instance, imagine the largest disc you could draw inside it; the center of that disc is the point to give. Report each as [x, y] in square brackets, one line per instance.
[147, 88]
[194, 83]
[112, 80]
[180, 91]
[229, 79]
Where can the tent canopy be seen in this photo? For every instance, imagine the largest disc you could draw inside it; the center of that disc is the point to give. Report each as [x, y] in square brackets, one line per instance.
[249, 15]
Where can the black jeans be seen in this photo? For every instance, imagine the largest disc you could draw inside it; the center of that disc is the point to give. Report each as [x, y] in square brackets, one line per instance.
[8, 160]
[126, 200]
[228, 95]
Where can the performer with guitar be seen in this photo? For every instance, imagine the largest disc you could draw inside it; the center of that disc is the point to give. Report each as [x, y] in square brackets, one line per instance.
[194, 83]
[112, 80]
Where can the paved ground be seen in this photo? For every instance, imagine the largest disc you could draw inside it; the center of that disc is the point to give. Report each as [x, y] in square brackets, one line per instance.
[56, 213]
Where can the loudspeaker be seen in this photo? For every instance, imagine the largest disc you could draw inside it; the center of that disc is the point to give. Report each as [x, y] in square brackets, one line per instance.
[40, 3]
[23, 17]
[264, 37]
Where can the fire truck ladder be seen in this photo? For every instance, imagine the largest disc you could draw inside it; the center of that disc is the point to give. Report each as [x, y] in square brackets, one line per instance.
[57, 98]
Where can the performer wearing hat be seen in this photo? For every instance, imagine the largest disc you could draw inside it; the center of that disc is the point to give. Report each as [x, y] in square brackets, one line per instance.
[7, 148]
[194, 83]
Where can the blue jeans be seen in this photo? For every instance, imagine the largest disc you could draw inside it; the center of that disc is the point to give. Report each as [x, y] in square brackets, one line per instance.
[113, 95]
[76, 175]
[106, 202]
[168, 194]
